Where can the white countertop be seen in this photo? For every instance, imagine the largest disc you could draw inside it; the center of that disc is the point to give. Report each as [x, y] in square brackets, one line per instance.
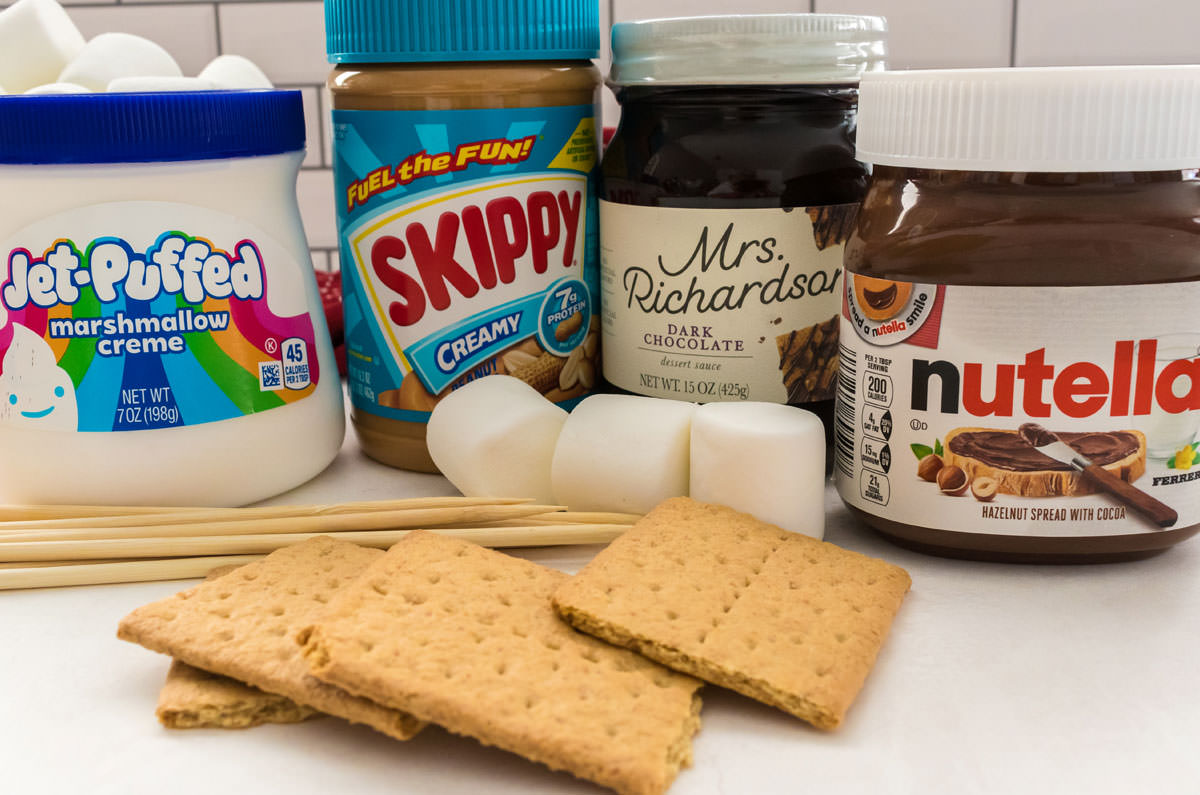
[996, 679]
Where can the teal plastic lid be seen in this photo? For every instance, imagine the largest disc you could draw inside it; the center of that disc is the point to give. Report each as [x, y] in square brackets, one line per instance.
[403, 31]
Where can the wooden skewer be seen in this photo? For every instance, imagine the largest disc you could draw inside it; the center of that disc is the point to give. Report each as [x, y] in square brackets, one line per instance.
[126, 571]
[28, 513]
[33, 564]
[533, 536]
[587, 517]
[334, 523]
[28, 517]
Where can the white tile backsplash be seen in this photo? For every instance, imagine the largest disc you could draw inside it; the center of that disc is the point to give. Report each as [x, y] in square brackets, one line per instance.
[314, 189]
[287, 40]
[1092, 32]
[624, 10]
[938, 33]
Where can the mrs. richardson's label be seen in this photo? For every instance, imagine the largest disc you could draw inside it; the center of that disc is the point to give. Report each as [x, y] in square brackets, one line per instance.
[938, 378]
[711, 305]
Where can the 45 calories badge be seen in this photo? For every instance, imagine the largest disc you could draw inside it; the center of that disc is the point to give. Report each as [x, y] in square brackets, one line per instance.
[886, 312]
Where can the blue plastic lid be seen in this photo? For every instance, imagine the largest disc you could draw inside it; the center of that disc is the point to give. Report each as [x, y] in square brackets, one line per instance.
[403, 31]
[149, 128]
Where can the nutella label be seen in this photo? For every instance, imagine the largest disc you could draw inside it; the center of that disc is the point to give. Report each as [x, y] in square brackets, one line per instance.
[718, 305]
[980, 409]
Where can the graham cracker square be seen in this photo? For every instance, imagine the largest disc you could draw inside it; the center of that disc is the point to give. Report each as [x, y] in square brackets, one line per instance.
[466, 637]
[783, 618]
[195, 699]
[244, 625]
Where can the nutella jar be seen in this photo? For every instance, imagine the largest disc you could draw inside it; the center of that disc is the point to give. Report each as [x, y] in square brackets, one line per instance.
[728, 192]
[464, 171]
[1020, 372]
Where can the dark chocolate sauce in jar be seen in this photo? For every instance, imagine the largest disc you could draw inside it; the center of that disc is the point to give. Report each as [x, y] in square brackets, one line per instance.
[692, 140]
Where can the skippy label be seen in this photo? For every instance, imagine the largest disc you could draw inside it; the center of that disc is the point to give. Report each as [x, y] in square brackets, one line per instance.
[955, 372]
[145, 315]
[464, 234]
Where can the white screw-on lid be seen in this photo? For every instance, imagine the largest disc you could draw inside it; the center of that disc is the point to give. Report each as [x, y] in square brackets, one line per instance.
[748, 49]
[1107, 118]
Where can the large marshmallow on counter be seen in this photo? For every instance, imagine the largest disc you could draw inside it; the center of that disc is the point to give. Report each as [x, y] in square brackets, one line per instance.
[37, 39]
[113, 55]
[622, 453]
[495, 437]
[764, 459]
[234, 71]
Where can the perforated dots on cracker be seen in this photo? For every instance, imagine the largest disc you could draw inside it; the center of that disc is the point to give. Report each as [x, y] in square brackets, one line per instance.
[780, 617]
[244, 626]
[466, 637]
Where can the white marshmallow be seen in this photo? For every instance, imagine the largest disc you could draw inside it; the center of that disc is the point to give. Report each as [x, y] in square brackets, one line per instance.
[234, 71]
[37, 39]
[128, 84]
[622, 453]
[58, 88]
[113, 55]
[765, 459]
[495, 437]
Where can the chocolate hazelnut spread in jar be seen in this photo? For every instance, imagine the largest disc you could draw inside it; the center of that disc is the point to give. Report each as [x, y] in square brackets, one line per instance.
[464, 151]
[728, 192]
[1020, 343]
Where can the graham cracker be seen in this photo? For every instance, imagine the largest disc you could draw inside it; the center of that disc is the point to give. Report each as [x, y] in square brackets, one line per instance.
[195, 699]
[777, 616]
[466, 637]
[244, 625]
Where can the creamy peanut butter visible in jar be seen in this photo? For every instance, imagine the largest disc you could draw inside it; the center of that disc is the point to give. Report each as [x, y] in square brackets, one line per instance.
[464, 148]
[1020, 372]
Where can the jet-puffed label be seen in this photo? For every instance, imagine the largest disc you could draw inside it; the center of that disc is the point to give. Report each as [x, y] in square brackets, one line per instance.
[144, 315]
[937, 381]
[467, 248]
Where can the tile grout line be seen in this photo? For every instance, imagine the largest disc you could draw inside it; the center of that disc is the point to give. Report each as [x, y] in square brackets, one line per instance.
[1012, 35]
[217, 26]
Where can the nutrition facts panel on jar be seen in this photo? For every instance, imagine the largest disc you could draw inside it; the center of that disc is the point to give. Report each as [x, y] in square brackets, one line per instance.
[870, 460]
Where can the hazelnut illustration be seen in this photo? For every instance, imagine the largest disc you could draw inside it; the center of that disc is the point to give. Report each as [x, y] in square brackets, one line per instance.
[929, 466]
[984, 488]
[952, 481]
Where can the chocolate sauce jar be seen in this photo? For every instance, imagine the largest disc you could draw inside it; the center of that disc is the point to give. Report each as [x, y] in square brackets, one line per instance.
[1020, 371]
[727, 195]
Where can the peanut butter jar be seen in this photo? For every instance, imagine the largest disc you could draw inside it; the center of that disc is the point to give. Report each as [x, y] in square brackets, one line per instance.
[464, 150]
[1020, 352]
